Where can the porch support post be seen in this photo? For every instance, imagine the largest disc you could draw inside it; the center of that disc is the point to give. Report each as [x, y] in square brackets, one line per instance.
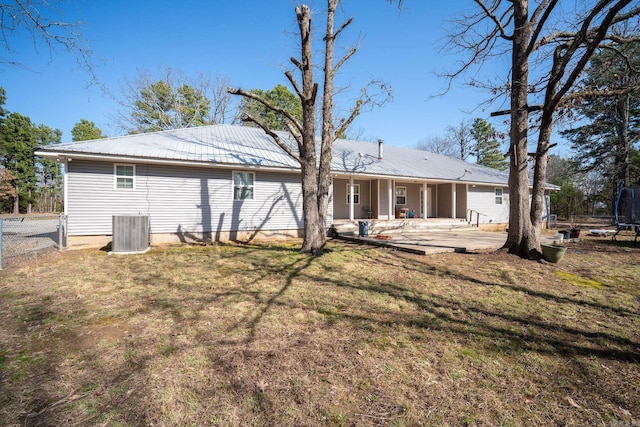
[390, 190]
[425, 203]
[351, 215]
[453, 200]
[65, 187]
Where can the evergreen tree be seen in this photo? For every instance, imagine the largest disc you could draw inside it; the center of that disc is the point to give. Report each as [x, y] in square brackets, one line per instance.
[17, 141]
[610, 106]
[161, 106]
[85, 130]
[49, 172]
[487, 147]
[281, 97]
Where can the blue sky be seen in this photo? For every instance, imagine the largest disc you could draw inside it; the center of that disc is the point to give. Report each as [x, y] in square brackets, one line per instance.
[249, 42]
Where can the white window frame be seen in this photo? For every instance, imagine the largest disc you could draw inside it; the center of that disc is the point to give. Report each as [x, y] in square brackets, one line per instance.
[499, 195]
[405, 195]
[117, 177]
[252, 186]
[356, 193]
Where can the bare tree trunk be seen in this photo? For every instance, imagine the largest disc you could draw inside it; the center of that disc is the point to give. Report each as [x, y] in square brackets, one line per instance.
[314, 240]
[622, 129]
[540, 177]
[520, 227]
[16, 201]
[328, 132]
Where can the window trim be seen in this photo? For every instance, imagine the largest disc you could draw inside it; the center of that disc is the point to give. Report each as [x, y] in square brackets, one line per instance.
[116, 176]
[498, 198]
[233, 185]
[405, 195]
[356, 193]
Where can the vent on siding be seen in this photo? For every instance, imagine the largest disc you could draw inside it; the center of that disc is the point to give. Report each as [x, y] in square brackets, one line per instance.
[130, 233]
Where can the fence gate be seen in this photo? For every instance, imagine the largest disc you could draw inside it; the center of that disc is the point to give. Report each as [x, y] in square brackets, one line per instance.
[22, 235]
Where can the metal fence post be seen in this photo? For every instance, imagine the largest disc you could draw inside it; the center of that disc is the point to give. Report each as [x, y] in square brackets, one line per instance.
[1, 222]
[60, 231]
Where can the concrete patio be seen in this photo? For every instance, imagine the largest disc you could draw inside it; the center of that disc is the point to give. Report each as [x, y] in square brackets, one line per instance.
[441, 241]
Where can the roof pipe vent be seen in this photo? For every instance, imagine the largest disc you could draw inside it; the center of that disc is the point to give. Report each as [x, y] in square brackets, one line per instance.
[380, 146]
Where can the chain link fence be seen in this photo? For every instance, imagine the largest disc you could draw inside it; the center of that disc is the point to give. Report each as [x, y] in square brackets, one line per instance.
[22, 235]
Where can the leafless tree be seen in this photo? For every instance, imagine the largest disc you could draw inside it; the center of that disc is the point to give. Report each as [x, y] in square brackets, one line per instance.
[315, 173]
[438, 145]
[222, 102]
[44, 22]
[460, 137]
[171, 99]
[549, 46]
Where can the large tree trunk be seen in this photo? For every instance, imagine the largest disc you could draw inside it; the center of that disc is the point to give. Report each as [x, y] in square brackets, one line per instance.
[622, 161]
[519, 239]
[314, 236]
[16, 201]
[540, 178]
[327, 136]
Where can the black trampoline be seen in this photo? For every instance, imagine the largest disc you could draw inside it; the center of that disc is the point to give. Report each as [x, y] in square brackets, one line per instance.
[627, 212]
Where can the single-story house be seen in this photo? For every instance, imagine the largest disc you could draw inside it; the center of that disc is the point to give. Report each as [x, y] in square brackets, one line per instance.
[227, 182]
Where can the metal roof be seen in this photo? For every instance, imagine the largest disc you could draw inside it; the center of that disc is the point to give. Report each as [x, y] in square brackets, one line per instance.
[249, 146]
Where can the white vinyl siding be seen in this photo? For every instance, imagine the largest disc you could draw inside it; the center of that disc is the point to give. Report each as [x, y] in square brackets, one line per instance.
[483, 199]
[180, 199]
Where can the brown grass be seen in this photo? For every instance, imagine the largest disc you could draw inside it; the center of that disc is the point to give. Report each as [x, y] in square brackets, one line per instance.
[262, 335]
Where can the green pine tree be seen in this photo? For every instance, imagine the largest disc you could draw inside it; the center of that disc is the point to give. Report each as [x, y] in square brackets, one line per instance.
[487, 147]
[279, 96]
[17, 142]
[85, 130]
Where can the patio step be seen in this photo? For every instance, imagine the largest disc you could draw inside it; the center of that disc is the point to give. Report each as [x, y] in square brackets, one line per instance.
[404, 226]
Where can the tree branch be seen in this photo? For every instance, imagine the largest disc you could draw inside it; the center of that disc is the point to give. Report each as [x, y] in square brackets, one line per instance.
[344, 59]
[294, 83]
[267, 104]
[275, 136]
[545, 7]
[489, 13]
[599, 34]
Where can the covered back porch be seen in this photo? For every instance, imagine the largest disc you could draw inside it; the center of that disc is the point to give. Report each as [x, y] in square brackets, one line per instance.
[387, 199]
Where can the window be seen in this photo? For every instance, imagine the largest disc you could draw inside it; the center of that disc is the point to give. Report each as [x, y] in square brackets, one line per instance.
[243, 185]
[401, 195]
[125, 176]
[498, 196]
[356, 194]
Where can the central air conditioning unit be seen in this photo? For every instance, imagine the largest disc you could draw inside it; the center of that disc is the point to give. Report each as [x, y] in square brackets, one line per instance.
[130, 234]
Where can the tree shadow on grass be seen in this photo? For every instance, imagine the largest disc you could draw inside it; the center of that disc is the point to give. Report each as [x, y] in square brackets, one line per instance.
[237, 361]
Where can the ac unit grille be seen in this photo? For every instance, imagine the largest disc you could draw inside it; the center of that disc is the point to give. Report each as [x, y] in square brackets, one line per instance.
[130, 233]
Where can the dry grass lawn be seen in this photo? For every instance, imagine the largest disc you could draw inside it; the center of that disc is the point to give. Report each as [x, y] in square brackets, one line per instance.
[262, 335]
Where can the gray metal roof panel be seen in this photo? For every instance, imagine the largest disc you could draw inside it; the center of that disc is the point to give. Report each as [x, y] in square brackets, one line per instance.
[362, 158]
[243, 145]
[223, 144]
